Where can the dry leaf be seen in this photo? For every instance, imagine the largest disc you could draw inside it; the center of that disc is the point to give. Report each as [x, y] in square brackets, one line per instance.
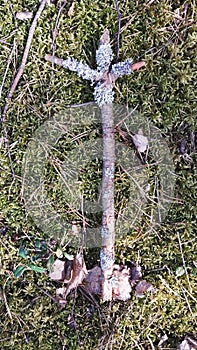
[119, 284]
[71, 9]
[140, 142]
[76, 277]
[189, 343]
[120, 281]
[136, 274]
[24, 15]
[58, 270]
[92, 281]
[77, 274]
[60, 297]
[143, 287]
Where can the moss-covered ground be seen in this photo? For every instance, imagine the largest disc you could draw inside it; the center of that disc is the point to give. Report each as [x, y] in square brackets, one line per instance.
[163, 33]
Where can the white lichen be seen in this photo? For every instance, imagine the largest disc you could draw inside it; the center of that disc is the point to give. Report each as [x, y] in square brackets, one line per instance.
[109, 172]
[103, 94]
[106, 261]
[103, 90]
[82, 69]
[104, 232]
[104, 57]
[122, 68]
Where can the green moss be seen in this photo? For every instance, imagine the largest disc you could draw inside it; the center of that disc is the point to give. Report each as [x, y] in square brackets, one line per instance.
[163, 34]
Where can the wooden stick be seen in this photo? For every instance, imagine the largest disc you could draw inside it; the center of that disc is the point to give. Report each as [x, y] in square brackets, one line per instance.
[108, 218]
[103, 95]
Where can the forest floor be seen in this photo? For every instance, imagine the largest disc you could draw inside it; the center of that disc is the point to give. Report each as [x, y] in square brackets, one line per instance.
[161, 241]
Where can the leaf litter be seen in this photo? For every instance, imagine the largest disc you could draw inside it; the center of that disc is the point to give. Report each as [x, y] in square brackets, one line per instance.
[73, 273]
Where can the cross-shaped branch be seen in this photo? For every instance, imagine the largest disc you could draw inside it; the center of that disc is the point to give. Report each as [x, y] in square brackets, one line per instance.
[103, 79]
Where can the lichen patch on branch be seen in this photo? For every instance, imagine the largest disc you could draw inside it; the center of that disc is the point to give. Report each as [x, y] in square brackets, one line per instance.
[103, 77]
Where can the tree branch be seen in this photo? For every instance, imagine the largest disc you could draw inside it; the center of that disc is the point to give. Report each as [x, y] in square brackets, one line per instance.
[103, 96]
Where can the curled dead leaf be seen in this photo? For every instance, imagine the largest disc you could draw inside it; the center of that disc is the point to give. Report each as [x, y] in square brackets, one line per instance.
[121, 281]
[78, 273]
[70, 272]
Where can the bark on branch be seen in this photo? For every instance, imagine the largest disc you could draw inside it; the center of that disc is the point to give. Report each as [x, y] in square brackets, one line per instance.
[108, 219]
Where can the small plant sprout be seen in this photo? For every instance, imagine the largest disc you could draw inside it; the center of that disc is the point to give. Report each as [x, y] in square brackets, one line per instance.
[103, 79]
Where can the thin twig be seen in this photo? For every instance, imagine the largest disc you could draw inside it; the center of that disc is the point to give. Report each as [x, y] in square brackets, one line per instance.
[188, 304]
[7, 146]
[81, 104]
[2, 122]
[183, 260]
[103, 96]
[5, 300]
[54, 34]
[151, 343]
[7, 67]
[118, 34]
[17, 78]
[24, 58]
[48, 294]
[6, 305]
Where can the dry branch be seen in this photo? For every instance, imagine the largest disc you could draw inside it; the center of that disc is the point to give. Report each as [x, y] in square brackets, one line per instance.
[104, 77]
[108, 219]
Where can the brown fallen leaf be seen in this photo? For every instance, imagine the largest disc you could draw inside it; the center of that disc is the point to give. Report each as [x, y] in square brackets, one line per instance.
[143, 287]
[77, 274]
[92, 281]
[119, 282]
[70, 272]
